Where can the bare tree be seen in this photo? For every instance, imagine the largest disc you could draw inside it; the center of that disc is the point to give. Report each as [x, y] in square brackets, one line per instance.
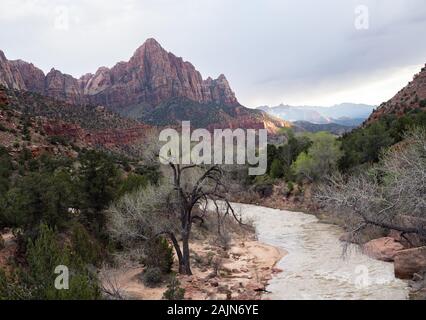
[207, 188]
[391, 195]
[110, 284]
[172, 209]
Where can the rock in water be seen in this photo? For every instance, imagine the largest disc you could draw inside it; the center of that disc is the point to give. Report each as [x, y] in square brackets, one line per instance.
[408, 262]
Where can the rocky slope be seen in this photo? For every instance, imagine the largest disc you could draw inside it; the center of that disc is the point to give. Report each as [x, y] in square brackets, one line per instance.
[41, 124]
[411, 97]
[209, 116]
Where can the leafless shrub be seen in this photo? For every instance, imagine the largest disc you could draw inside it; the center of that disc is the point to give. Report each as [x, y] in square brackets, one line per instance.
[143, 214]
[110, 284]
[171, 209]
[391, 195]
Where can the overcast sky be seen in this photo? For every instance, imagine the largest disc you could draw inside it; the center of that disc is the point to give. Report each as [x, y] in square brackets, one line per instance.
[272, 51]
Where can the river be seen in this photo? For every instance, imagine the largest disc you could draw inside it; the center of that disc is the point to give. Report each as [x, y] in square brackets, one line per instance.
[316, 266]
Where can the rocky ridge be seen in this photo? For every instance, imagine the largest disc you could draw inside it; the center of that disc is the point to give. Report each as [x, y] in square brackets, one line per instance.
[151, 76]
[411, 97]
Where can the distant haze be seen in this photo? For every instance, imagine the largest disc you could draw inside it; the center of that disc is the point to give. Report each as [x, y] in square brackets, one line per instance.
[272, 51]
[345, 114]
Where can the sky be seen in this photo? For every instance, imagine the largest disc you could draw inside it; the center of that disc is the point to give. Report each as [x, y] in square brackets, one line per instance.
[304, 52]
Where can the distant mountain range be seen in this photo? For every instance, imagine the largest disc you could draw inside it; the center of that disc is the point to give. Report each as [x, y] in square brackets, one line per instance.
[334, 128]
[345, 114]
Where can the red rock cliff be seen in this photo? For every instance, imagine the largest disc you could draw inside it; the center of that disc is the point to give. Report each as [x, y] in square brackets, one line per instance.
[150, 77]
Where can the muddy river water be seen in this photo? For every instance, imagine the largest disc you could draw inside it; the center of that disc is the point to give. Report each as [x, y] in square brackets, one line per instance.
[316, 266]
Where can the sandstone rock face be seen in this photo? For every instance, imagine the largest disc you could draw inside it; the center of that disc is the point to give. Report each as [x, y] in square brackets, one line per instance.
[383, 249]
[410, 97]
[106, 138]
[10, 77]
[410, 261]
[62, 87]
[150, 77]
[32, 76]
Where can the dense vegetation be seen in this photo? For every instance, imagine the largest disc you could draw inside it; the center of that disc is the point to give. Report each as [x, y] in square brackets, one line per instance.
[312, 157]
[364, 145]
[55, 207]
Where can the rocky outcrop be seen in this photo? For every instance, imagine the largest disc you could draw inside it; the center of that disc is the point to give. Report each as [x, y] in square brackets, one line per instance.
[410, 261]
[32, 76]
[105, 138]
[10, 76]
[63, 87]
[383, 249]
[413, 96]
[150, 77]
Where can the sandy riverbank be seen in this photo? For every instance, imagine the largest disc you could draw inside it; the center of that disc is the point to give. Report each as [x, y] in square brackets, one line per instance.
[242, 272]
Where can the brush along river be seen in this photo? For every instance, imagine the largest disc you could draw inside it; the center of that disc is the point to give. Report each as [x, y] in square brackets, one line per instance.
[316, 266]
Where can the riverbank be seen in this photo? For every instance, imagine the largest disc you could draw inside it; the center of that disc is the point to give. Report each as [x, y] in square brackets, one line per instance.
[316, 266]
[240, 271]
[406, 252]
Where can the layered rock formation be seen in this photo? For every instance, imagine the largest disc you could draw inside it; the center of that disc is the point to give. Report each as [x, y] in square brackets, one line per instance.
[49, 118]
[412, 96]
[150, 77]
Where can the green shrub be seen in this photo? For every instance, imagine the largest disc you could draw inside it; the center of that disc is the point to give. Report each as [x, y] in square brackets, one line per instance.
[84, 246]
[277, 170]
[39, 196]
[320, 160]
[174, 291]
[36, 279]
[158, 254]
[423, 103]
[290, 187]
[132, 183]
[152, 173]
[152, 276]
[98, 179]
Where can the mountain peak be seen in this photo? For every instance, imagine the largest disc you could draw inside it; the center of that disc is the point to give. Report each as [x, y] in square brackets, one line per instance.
[151, 42]
[151, 77]
[149, 45]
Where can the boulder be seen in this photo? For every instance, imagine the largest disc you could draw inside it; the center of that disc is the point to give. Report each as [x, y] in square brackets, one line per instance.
[410, 261]
[383, 249]
[408, 240]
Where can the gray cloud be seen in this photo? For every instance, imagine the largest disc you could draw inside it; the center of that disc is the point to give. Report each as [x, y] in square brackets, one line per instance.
[271, 50]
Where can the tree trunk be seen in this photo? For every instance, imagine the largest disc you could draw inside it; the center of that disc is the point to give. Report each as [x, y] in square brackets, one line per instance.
[185, 267]
[178, 253]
